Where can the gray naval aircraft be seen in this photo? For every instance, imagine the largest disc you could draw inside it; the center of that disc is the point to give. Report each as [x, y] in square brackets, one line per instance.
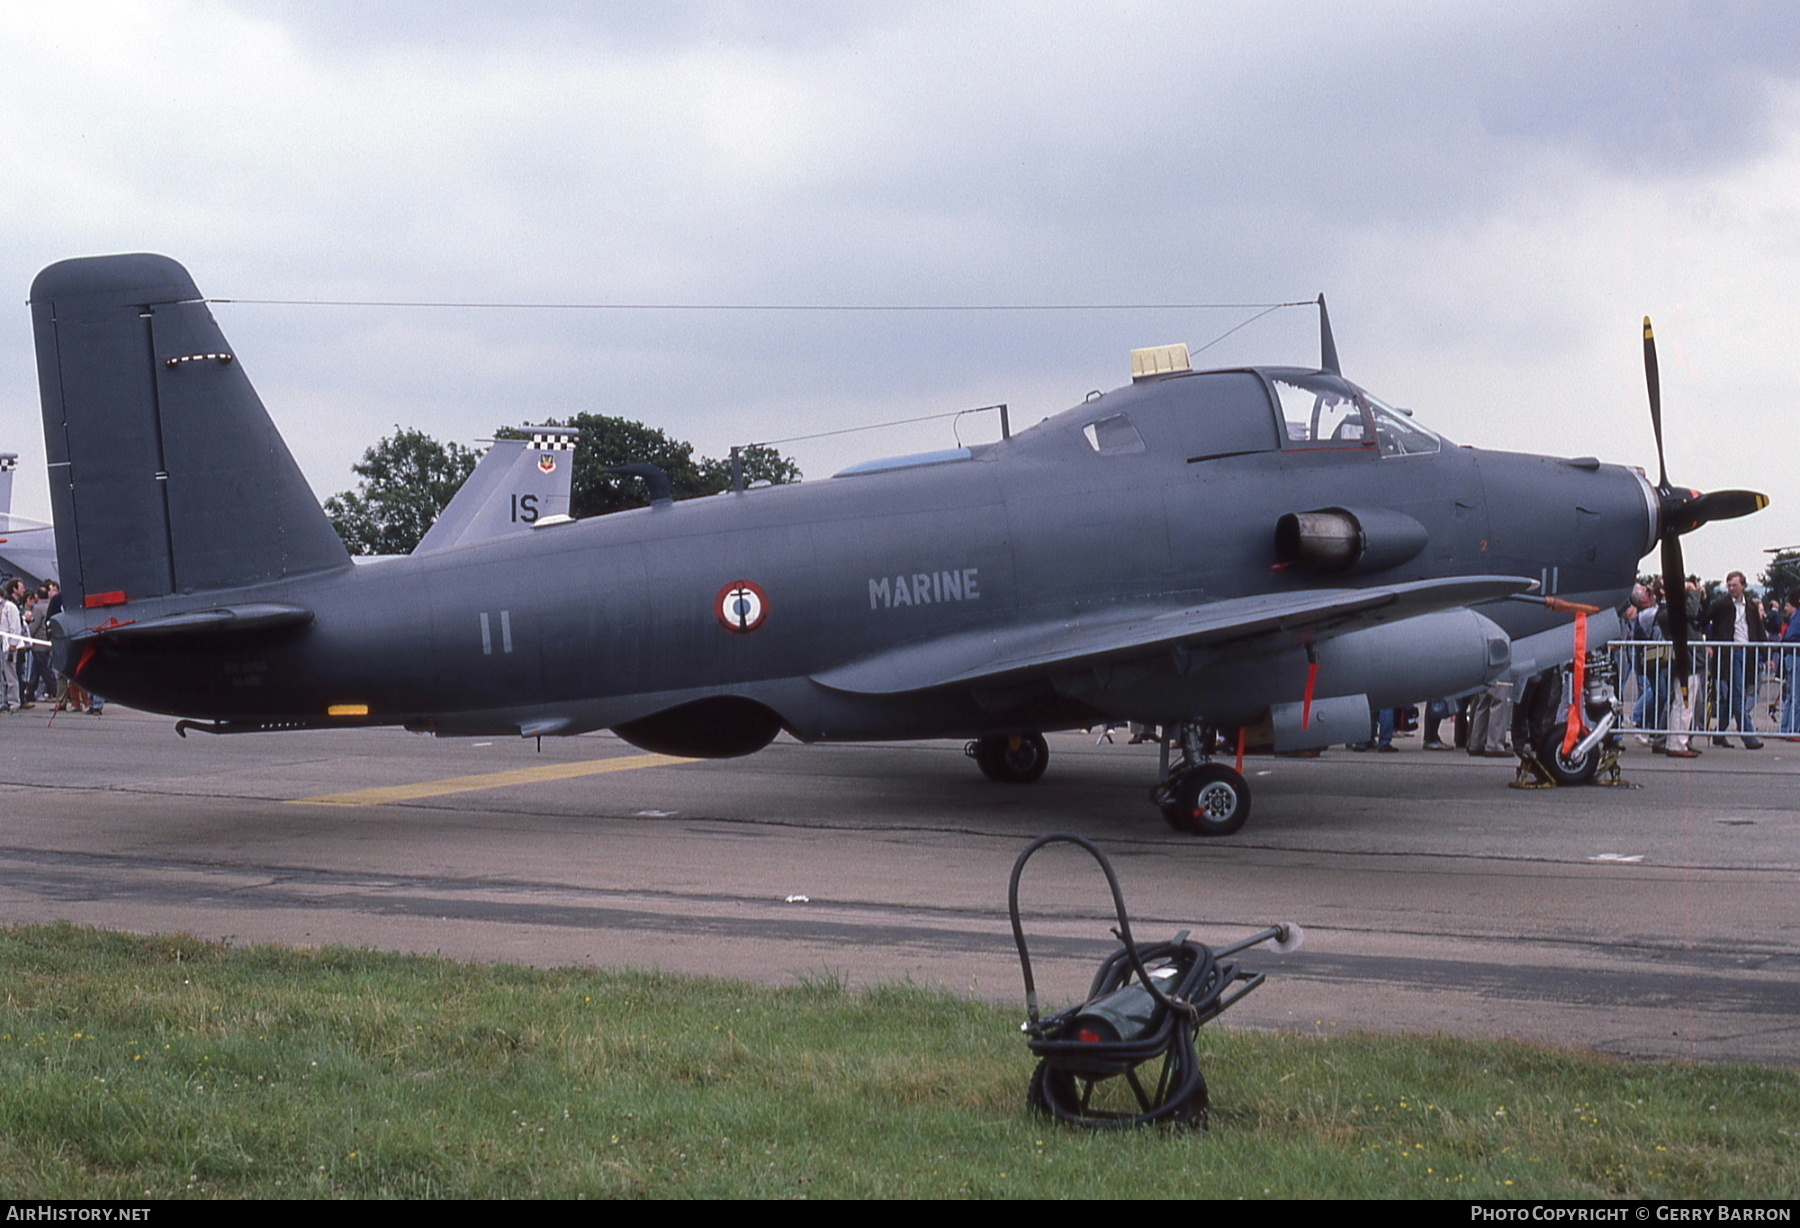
[1263, 554]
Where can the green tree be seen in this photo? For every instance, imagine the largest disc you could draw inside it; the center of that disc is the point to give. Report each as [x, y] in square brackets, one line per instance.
[1782, 576]
[607, 442]
[407, 479]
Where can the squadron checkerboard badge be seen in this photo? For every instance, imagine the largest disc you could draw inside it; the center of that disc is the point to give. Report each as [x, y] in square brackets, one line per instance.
[741, 606]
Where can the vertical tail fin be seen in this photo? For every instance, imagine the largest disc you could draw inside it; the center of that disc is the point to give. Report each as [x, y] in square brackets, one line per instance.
[166, 475]
[517, 484]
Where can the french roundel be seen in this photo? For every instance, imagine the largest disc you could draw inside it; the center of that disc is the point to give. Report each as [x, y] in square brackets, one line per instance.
[741, 606]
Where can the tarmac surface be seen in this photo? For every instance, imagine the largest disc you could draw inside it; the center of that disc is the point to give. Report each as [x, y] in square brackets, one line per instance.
[1659, 921]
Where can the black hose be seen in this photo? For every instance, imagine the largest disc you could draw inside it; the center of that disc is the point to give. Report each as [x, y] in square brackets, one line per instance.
[1075, 1056]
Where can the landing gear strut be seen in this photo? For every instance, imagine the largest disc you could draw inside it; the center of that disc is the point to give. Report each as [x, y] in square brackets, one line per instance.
[1196, 797]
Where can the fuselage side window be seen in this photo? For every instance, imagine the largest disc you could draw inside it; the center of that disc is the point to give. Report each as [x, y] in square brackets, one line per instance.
[1114, 436]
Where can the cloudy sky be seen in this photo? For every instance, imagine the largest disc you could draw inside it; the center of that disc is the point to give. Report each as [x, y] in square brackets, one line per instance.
[1491, 197]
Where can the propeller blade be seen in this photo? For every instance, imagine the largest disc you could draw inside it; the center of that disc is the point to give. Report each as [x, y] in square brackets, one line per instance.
[1726, 505]
[1675, 599]
[1654, 382]
[1683, 511]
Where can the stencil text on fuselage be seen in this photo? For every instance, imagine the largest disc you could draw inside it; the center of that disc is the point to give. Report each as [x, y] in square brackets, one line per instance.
[925, 588]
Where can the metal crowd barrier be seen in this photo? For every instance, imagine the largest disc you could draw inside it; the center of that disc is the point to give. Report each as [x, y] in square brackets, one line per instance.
[1732, 689]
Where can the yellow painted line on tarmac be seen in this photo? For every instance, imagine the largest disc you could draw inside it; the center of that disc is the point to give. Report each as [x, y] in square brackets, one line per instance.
[487, 780]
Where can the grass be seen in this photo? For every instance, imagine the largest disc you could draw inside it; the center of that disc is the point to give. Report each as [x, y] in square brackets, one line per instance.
[168, 1067]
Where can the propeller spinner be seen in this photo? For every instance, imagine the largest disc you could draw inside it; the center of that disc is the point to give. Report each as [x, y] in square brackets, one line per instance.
[1682, 511]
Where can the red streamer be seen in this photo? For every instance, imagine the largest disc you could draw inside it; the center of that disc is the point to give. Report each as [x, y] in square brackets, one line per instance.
[1577, 685]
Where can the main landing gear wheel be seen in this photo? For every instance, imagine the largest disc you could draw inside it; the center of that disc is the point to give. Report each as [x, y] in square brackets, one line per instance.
[1566, 769]
[1018, 759]
[1207, 800]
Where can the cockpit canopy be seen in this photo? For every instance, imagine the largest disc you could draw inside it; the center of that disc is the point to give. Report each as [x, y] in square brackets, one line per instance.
[1206, 415]
[1323, 410]
[1211, 414]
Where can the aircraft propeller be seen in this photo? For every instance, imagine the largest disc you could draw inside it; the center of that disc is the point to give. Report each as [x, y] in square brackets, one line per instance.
[1682, 511]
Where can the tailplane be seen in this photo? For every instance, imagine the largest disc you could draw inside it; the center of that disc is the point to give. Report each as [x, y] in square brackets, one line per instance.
[166, 474]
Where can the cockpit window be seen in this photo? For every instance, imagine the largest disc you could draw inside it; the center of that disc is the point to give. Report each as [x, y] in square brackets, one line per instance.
[1321, 411]
[1114, 436]
[1396, 434]
[1324, 411]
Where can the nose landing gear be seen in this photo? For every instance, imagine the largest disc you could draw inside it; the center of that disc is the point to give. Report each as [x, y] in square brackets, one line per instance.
[1546, 760]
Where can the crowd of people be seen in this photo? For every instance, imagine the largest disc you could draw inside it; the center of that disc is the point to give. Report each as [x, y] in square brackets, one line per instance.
[1749, 643]
[26, 678]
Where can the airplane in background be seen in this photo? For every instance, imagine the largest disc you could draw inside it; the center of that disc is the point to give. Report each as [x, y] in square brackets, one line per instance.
[27, 546]
[517, 485]
[1269, 552]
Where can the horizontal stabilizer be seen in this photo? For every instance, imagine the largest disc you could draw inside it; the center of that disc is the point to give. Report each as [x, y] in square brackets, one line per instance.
[1044, 648]
[223, 621]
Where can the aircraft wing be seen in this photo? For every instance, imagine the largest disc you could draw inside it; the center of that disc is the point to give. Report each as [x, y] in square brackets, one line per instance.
[1013, 653]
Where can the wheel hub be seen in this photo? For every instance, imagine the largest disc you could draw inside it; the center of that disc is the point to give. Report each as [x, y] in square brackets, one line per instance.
[1217, 801]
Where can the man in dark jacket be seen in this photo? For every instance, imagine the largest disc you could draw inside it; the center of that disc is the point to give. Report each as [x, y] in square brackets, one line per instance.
[1735, 619]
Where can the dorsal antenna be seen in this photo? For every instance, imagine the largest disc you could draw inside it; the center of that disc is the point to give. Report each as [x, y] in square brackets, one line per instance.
[1328, 359]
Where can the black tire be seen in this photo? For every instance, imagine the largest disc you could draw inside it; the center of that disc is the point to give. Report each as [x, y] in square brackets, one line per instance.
[1210, 800]
[1563, 769]
[1016, 760]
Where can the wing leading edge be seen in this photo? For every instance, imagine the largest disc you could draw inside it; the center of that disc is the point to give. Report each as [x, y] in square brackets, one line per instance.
[1015, 653]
